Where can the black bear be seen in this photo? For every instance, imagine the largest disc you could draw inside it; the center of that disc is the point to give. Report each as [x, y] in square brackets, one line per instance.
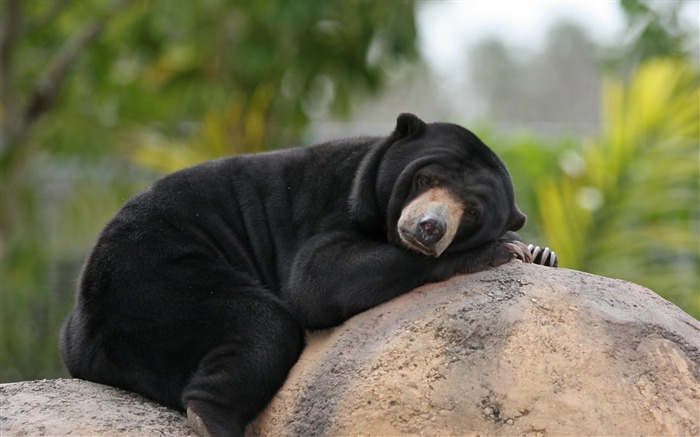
[198, 292]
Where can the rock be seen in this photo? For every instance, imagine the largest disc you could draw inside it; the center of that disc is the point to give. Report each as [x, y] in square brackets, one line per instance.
[80, 408]
[519, 350]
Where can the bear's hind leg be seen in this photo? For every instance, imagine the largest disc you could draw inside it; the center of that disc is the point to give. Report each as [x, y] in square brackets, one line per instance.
[237, 378]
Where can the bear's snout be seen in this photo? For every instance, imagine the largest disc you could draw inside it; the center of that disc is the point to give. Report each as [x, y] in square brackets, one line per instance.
[429, 223]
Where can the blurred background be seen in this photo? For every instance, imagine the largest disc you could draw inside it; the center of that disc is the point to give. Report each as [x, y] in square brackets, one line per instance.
[594, 106]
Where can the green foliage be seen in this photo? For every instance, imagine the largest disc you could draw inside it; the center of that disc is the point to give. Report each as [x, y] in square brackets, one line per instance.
[628, 205]
[654, 29]
[310, 55]
[236, 130]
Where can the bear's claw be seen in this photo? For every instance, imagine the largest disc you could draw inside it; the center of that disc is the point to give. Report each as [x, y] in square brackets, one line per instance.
[545, 257]
[521, 252]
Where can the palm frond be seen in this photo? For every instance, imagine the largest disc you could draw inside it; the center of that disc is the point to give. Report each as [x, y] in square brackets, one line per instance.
[634, 212]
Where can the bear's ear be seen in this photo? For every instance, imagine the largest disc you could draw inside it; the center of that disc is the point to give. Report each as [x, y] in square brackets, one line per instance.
[364, 207]
[408, 125]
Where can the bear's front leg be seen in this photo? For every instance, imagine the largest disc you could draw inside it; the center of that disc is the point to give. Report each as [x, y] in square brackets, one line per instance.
[237, 378]
[507, 248]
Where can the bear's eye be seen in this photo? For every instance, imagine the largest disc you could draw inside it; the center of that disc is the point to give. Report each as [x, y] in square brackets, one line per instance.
[473, 213]
[425, 181]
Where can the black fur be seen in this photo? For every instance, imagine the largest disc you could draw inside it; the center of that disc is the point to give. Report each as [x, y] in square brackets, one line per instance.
[198, 292]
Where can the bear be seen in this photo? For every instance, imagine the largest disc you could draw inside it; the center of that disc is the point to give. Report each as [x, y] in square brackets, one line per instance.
[198, 293]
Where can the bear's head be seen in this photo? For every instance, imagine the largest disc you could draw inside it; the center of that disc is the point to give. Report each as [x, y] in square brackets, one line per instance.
[434, 188]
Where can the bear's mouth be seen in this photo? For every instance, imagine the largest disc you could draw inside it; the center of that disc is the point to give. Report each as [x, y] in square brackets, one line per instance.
[412, 243]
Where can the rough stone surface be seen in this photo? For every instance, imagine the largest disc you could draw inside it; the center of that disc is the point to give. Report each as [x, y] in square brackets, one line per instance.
[79, 408]
[517, 351]
[521, 350]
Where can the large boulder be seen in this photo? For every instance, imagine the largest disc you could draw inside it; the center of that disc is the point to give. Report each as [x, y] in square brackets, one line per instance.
[518, 350]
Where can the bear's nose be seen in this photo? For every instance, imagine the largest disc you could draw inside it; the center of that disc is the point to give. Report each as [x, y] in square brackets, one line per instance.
[431, 228]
